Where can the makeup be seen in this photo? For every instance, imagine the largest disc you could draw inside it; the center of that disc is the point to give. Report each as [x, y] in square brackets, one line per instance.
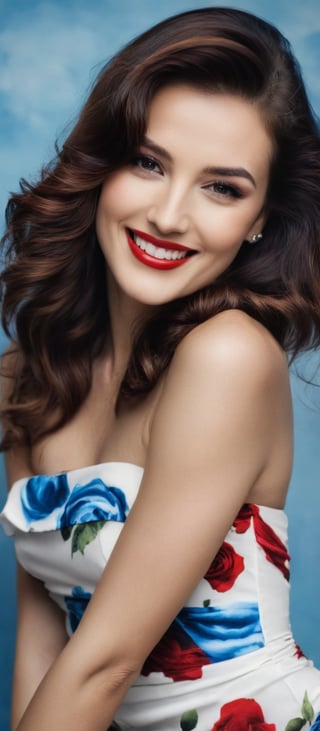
[157, 253]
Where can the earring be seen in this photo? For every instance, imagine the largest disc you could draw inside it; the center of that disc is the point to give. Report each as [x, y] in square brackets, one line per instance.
[255, 238]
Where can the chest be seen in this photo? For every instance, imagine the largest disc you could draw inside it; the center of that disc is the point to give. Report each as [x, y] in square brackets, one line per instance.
[97, 433]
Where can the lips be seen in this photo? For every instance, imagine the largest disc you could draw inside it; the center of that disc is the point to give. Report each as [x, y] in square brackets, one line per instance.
[157, 253]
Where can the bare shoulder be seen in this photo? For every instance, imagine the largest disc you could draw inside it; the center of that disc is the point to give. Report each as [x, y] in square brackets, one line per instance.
[236, 344]
[227, 395]
[230, 367]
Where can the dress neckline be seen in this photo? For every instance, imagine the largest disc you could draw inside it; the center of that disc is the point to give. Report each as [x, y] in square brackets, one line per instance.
[114, 464]
[95, 465]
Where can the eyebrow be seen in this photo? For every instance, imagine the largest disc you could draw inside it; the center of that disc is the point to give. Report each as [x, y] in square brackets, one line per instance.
[232, 173]
[225, 172]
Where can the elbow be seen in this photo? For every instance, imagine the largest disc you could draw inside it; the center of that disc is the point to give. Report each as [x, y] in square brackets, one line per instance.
[120, 676]
[114, 679]
[106, 689]
[102, 673]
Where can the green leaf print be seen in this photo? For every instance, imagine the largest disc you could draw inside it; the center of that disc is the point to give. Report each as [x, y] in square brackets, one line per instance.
[189, 720]
[84, 534]
[206, 602]
[295, 724]
[307, 710]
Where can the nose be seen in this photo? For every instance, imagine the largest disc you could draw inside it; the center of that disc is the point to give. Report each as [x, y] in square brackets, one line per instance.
[168, 212]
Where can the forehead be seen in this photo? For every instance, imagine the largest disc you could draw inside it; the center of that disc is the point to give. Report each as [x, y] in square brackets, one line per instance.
[212, 128]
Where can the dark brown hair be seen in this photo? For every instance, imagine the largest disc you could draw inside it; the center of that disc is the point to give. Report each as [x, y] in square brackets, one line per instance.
[53, 283]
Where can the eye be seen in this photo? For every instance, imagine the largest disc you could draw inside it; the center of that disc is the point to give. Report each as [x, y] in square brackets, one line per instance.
[224, 190]
[146, 163]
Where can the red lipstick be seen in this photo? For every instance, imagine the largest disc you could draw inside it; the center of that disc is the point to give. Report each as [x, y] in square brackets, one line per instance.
[153, 261]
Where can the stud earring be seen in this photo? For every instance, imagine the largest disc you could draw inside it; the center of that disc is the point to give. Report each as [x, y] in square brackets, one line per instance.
[255, 238]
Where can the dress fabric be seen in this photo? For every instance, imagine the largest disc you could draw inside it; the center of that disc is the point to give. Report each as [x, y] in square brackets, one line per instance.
[228, 662]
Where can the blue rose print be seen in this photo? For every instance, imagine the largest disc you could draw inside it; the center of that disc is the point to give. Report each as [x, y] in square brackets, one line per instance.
[316, 724]
[223, 633]
[42, 494]
[76, 605]
[94, 501]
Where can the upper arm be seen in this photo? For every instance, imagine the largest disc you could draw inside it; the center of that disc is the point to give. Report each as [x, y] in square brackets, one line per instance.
[208, 444]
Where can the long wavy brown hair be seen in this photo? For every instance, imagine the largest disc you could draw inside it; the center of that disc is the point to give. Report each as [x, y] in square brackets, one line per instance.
[53, 282]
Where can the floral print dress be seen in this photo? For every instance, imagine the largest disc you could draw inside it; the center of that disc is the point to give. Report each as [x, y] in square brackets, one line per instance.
[228, 662]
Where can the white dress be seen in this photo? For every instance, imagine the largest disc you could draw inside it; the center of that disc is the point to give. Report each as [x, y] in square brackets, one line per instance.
[228, 662]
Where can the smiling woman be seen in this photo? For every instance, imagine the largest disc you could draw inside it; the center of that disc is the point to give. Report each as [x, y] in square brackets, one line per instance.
[206, 202]
[157, 279]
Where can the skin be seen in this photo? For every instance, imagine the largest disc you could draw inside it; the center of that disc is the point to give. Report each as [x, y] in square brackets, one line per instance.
[178, 199]
[215, 421]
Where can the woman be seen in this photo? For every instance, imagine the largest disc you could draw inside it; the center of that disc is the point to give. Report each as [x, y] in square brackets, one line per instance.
[157, 277]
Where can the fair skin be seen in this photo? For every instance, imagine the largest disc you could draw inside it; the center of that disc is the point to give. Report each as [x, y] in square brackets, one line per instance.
[220, 418]
[172, 193]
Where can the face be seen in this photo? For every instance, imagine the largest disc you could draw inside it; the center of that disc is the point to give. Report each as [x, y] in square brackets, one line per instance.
[171, 221]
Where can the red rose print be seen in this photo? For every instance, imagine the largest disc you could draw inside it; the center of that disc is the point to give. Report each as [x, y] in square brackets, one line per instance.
[273, 547]
[275, 551]
[243, 520]
[176, 656]
[225, 568]
[298, 652]
[243, 714]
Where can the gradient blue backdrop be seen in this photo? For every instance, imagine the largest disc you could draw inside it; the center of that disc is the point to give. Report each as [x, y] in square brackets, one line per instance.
[49, 55]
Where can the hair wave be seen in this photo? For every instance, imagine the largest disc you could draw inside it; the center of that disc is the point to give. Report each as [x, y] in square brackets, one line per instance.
[54, 289]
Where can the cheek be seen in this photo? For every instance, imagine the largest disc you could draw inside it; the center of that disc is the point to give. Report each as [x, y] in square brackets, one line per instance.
[117, 197]
[225, 233]
[232, 225]
[109, 200]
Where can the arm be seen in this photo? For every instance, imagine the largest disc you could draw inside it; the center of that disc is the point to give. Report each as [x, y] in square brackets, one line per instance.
[210, 440]
[41, 635]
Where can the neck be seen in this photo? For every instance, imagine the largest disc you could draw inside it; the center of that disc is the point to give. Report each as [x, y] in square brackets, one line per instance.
[127, 316]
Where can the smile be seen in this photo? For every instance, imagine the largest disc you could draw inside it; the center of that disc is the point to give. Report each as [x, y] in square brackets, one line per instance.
[157, 253]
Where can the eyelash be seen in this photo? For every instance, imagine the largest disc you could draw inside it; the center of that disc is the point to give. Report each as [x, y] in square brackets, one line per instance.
[140, 160]
[229, 191]
[148, 164]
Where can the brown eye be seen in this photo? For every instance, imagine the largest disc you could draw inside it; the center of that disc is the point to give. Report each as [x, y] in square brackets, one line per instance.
[146, 163]
[225, 190]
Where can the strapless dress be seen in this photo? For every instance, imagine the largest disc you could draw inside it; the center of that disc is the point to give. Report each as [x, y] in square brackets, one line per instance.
[228, 662]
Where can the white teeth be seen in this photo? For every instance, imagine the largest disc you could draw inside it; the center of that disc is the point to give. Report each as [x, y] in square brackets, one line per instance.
[157, 251]
[150, 249]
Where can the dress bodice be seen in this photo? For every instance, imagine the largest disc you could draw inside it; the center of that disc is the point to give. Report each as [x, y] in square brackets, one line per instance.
[235, 622]
[66, 526]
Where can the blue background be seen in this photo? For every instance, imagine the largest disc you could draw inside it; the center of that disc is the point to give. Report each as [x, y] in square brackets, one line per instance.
[50, 53]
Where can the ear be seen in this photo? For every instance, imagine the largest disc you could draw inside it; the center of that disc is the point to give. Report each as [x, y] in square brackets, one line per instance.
[255, 231]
